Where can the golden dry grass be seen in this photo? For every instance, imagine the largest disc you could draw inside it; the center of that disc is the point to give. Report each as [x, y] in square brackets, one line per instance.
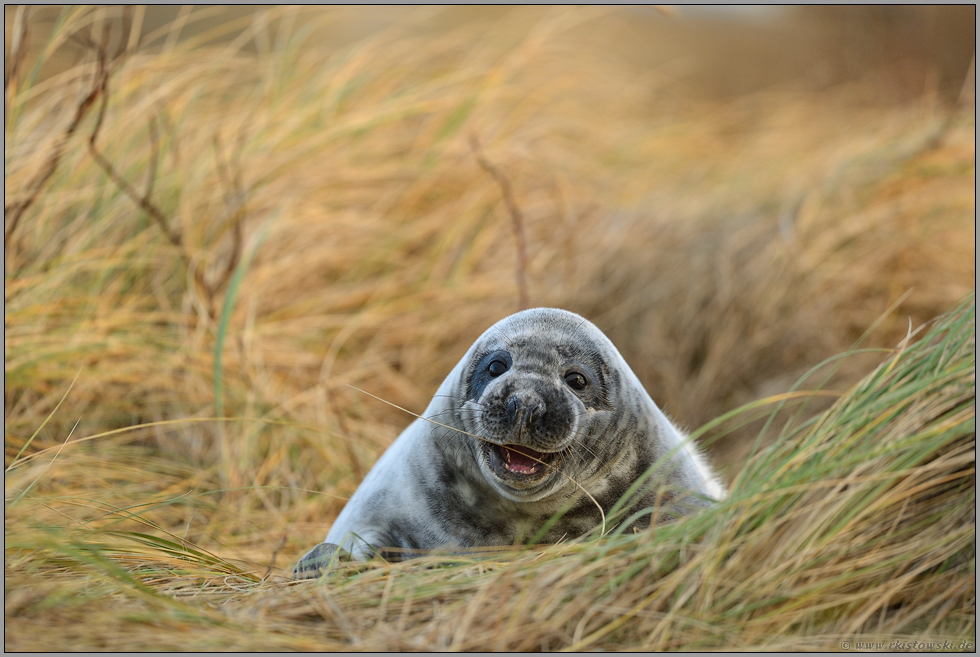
[330, 224]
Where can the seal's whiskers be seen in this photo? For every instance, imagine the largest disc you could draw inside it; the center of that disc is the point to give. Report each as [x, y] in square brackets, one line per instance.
[446, 426]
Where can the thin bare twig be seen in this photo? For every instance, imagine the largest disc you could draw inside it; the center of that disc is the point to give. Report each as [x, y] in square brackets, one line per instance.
[16, 210]
[143, 201]
[516, 216]
[99, 90]
[275, 553]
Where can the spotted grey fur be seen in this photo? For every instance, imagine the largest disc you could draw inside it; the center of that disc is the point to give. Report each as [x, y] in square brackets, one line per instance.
[552, 387]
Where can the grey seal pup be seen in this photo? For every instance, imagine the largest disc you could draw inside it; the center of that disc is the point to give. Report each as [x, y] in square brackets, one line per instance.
[541, 409]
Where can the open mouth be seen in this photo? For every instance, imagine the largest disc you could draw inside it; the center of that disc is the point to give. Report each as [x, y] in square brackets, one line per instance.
[519, 462]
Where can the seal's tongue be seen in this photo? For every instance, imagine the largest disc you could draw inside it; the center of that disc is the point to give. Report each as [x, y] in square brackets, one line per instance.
[521, 459]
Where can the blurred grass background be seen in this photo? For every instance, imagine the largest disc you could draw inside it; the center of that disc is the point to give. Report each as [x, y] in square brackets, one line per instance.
[280, 202]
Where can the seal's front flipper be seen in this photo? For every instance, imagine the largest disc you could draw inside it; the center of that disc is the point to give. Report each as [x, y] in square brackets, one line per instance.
[320, 559]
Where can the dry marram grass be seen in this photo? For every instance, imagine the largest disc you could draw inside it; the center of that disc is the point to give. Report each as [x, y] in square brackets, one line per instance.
[270, 224]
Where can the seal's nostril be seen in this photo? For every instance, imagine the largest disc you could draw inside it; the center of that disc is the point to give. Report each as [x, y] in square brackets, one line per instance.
[534, 413]
[513, 406]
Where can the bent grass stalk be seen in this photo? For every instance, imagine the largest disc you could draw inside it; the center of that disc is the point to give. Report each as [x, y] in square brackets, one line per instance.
[54, 410]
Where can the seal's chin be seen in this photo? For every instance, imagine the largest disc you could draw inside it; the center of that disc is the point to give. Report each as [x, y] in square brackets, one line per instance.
[520, 466]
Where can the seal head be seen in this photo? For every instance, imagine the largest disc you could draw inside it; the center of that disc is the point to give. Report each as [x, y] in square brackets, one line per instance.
[536, 399]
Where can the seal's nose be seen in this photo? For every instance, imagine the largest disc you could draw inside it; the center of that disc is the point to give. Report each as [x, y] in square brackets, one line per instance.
[525, 410]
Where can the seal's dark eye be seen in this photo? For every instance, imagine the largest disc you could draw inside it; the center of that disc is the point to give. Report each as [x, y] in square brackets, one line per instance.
[497, 367]
[576, 381]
